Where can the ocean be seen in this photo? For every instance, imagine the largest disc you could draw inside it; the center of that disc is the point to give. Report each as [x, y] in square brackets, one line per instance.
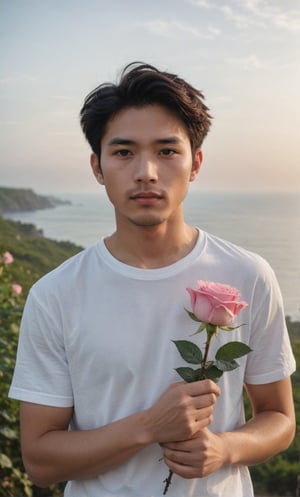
[266, 223]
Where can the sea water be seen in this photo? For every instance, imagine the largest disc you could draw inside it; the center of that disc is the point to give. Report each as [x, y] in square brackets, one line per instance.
[268, 224]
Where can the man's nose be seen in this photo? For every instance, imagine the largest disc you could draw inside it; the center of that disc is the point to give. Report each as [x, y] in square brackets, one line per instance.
[146, 169]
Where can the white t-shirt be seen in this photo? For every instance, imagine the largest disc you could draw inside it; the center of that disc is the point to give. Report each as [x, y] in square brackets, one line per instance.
[97, 334]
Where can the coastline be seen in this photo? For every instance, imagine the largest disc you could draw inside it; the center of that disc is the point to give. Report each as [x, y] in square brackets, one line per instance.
[26, 200]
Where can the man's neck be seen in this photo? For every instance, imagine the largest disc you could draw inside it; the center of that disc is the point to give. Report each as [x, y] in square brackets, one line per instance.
[152, 247]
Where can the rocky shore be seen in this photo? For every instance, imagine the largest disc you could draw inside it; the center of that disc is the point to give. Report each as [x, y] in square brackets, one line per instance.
[25, 199]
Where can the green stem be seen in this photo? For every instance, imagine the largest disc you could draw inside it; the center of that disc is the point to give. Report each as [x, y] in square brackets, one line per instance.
[211, 331]
[167, 482]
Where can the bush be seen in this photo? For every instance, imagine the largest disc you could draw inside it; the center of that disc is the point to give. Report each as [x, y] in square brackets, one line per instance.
[277, 476]
[13, 478]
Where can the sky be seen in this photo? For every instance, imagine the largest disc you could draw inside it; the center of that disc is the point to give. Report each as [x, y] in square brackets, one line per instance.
[243, 54]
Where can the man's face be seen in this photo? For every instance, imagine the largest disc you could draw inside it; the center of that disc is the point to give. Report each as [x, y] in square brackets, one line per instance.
[146, 165]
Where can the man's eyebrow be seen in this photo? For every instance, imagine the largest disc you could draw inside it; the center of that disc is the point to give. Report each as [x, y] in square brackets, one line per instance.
[117, 140]
[169, 139]
[121, 141]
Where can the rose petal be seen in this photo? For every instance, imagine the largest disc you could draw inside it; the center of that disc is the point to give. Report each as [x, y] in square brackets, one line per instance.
[221, 316]
[215, 303]
[7, 258]
[219, 290]
[17, 289]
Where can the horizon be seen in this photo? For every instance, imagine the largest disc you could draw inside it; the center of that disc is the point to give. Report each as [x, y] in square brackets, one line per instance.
[101, 191]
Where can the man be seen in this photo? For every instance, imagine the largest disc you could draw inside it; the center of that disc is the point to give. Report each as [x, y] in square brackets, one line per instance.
[101, 404]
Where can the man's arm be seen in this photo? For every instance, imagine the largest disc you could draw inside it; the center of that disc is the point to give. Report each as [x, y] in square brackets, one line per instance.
[51, 453]
[271, 430]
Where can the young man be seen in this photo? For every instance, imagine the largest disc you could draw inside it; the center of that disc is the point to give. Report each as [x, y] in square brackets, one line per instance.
[101, 404]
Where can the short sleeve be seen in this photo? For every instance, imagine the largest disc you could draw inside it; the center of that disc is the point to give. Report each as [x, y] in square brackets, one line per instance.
[41, 373]
[271, 358]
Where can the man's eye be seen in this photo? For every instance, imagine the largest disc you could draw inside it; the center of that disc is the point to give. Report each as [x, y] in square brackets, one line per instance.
[123, 152]
[167, 151]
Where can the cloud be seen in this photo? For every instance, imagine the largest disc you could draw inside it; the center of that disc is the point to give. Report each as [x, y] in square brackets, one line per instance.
[214, 31]
[231, 13]
[267, 13]
[172, 28]
[204, 4]
[288, 21]
[240, 21]
[249, 62]
[260, 13]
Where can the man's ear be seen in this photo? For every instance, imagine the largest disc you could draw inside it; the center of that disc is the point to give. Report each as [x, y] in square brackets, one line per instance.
[94, 161]
[197, 161]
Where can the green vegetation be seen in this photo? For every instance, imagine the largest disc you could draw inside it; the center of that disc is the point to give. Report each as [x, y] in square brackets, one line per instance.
[278, 476]
[25, 199]
[33, 256]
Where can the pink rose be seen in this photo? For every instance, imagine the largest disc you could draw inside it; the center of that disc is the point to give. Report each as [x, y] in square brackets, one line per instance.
[17, 289]
[7, 258]
[215, 303]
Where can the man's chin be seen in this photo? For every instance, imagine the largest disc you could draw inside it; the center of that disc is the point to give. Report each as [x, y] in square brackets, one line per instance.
[146, 222]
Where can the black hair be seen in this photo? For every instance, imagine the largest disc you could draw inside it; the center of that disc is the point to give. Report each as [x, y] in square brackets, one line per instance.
[142, 84]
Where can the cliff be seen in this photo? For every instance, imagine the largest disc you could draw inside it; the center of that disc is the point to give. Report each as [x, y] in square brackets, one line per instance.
[34, 255]
[25, 199]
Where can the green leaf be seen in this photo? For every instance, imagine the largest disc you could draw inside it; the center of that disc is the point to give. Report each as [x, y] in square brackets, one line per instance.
[188, 374]
[201, 328]
[230, 328]
[5, 462]
[8, 416]
[226, 365]
[192, 316]
[232, 350]
[189, 351]
[213, 373]
[8, 433]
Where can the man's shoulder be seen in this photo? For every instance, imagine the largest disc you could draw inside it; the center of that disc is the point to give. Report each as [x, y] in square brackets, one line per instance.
[230, 253]
[68, 271]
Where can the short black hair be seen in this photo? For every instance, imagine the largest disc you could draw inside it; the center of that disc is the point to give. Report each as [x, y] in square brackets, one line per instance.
[143, 84]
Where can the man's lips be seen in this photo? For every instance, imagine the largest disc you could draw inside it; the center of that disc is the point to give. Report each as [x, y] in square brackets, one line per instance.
[146, 198]
[146, 195]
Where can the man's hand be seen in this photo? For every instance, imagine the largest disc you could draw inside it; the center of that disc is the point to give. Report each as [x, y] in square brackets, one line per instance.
[52, 453]
[200, 456]
[270, 430]
[181, 411]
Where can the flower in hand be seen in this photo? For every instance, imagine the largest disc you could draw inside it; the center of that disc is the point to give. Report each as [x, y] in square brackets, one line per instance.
[215, 306]
[215, 303]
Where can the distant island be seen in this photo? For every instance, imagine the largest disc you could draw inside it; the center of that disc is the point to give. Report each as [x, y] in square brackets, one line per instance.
[25, 199]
